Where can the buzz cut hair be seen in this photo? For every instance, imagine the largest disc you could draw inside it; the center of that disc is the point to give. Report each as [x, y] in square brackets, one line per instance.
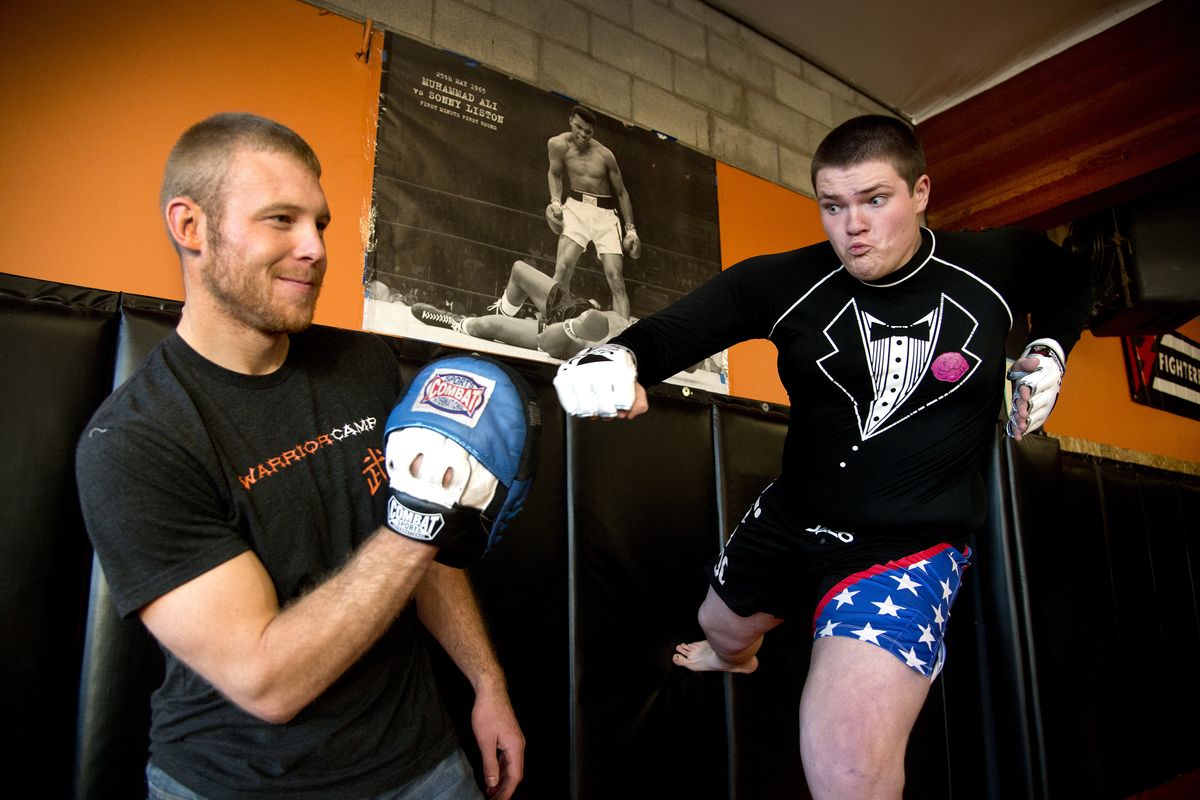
[199, 162]
[872, 137]
[584, 113]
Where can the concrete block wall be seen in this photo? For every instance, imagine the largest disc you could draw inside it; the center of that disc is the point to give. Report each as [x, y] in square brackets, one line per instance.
[681, 67]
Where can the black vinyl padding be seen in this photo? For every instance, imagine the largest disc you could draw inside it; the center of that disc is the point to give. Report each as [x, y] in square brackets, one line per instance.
[122, 665]
[56, 354]
[764, 706]
[643, 522]
[1073, 647]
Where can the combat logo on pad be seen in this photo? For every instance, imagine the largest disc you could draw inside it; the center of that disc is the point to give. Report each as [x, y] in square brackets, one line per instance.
[459, 395]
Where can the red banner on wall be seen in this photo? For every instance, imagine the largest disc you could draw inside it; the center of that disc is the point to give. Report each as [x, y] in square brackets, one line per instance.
[1164, 372]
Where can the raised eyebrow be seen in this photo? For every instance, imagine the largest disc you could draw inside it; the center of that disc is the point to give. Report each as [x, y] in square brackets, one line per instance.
[869, 191]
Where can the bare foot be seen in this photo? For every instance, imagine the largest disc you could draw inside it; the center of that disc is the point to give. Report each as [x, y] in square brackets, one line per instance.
[700, 657]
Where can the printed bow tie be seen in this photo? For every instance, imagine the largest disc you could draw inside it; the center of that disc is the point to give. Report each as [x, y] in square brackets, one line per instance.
[881, 330]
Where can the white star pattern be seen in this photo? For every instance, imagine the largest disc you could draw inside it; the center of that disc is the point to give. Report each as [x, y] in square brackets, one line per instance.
[899, 634]
[888, 607]
[868, 634]
[910, 658]
[926, 635]
[904, 582]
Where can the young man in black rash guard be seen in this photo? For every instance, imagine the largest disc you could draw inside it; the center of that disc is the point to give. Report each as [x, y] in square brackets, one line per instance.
[891, 348]
[234, 489]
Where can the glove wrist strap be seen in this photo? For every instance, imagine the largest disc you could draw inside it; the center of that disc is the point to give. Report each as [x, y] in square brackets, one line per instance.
[1046, 349]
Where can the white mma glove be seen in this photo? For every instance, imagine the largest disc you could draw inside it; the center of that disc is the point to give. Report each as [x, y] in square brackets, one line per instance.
[1042, 380]
[431, 467]
[597, 382]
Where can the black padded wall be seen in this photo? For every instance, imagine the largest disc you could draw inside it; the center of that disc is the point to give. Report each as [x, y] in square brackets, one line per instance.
[56, 355]
[122, 664]
[988, 700]
[1073, 648]
[764, 705]
[1172, 512]
[1109, 628]
[1154, 650]
[522, 590]
[1071, 616]
[643, 522]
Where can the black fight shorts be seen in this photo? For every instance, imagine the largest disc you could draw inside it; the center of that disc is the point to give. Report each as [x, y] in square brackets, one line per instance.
[783, 566]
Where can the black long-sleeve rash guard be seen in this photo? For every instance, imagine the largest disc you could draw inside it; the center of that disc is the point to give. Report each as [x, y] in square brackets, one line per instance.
[895, 385]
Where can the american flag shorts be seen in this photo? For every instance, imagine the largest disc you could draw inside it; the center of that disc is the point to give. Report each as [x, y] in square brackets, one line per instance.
[902, 606]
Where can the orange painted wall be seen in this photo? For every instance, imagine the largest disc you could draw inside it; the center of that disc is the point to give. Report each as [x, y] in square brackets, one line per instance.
[92, 100]
[759, 217]
[95, 95]
[1095, 404]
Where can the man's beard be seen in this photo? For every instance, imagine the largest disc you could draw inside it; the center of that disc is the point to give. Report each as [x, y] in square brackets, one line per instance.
[239, 295]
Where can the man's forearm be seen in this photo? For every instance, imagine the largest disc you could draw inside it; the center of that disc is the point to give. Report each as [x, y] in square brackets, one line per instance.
[626, 208]
[273, 662]
[447, 607]
[336, 623]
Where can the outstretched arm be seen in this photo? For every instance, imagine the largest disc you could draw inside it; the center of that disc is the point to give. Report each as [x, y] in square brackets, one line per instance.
[227, 625]
[447, 607]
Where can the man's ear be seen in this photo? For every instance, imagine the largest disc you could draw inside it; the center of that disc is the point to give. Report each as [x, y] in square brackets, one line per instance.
[921, 193]
[185, 223]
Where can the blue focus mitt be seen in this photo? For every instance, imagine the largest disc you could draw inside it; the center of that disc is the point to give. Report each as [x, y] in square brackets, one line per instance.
[461, 448]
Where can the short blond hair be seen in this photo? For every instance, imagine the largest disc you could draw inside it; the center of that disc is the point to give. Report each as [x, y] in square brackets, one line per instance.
[199, 161]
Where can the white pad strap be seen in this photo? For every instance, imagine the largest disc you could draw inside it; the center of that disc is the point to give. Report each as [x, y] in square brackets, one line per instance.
[431, 467]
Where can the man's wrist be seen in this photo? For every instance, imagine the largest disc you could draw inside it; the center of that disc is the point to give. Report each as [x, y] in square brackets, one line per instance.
[490, 682]
[397, 543]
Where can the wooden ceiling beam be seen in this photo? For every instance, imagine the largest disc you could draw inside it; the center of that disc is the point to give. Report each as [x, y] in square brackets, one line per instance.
[1093, 119]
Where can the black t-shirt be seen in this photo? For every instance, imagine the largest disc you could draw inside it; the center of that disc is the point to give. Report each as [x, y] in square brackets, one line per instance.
[895, 385]
[187, 465]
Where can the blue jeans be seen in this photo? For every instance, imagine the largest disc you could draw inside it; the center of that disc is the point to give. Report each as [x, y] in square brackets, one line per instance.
[452, 779]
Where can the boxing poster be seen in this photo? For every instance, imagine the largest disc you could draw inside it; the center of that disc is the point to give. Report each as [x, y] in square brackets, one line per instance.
[463, 249]
[1164, 372]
